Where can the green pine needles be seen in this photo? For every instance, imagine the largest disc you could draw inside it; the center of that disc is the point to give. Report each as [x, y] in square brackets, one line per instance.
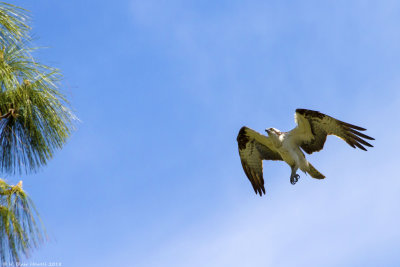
[19, 229]
[13, 24]
[34, 121]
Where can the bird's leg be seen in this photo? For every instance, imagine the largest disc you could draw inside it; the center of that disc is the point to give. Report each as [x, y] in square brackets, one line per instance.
[294, 177]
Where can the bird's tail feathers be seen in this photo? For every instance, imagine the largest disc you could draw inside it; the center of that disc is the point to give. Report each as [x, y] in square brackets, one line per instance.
[314, 173]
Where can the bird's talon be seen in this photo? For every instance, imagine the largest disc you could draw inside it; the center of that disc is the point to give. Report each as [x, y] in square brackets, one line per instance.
[294, 179]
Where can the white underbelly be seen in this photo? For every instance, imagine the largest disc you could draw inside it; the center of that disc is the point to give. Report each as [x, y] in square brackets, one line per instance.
[294, 158]
[287, 156]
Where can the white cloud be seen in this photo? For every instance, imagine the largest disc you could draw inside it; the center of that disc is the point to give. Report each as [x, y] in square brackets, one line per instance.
[316, 225]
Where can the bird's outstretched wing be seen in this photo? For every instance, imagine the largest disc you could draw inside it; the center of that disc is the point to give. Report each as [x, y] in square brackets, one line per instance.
[253, 148]
[313, 128]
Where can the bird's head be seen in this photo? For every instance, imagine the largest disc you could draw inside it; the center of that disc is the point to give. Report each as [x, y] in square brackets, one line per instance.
[273, 132]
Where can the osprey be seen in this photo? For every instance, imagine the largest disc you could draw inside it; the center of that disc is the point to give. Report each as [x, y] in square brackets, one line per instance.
[310, 135]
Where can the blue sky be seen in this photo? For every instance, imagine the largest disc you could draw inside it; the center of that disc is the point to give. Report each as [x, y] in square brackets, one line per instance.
[152, 175]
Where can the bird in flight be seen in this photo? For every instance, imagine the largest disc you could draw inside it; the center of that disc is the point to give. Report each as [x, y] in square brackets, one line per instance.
[310, 135]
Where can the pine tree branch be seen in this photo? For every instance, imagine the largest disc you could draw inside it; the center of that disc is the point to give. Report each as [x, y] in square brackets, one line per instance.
[20, 225]
[36, 121]
[11, 112]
